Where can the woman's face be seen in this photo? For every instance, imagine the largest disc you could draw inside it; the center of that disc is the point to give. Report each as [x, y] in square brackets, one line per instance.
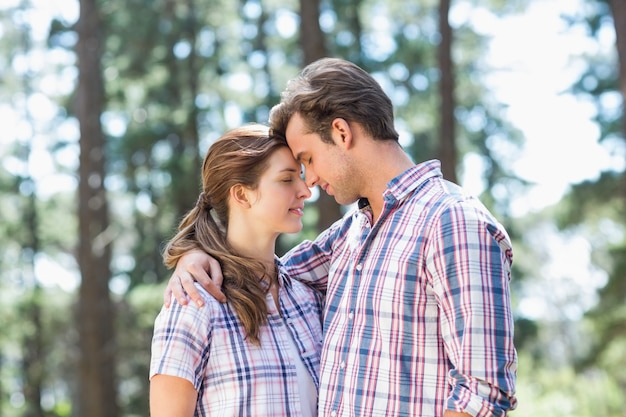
[278, 202]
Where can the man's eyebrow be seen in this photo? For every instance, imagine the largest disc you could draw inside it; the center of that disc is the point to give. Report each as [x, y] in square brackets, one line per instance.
[299, 156]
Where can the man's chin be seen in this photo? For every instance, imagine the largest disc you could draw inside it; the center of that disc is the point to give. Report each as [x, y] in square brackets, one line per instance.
[342, 200]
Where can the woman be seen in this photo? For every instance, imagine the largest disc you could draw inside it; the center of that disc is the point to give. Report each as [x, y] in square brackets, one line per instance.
[258, 354]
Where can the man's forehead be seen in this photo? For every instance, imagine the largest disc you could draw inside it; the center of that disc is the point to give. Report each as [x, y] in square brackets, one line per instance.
[297, 124]
[296, 141]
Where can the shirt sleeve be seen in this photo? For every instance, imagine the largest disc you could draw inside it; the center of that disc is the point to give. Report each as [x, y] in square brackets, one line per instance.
[469, 261]
[180, 342]
[309, 262]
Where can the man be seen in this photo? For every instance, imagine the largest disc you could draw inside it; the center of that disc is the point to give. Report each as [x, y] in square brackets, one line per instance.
[418, 320]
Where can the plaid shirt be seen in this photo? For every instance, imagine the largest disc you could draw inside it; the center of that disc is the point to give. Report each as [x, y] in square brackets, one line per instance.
[417, 317]
[233, 377]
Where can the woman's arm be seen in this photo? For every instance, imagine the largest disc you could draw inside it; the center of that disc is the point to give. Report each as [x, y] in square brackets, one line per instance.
[171, 396]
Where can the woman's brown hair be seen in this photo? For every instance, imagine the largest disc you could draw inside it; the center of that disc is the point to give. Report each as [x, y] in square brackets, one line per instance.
[240, 156]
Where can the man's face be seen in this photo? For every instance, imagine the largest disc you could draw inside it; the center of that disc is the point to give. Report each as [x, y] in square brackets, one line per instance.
[326, 165]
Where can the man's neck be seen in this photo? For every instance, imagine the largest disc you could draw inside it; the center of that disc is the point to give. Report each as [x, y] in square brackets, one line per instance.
[384, 163]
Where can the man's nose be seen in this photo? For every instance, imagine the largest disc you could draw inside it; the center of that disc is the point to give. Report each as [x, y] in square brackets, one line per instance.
[310, 178]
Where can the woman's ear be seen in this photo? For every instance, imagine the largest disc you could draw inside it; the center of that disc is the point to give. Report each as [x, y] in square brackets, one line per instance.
[240, 195]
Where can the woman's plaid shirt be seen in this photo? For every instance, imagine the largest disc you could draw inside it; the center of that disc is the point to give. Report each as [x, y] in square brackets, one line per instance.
[234, 377]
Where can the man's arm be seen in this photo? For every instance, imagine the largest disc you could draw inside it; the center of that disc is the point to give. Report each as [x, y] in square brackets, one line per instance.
[199, 266]
[470, 257]
[308, 261]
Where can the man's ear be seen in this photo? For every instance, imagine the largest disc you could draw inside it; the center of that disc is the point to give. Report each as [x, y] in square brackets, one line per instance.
[240, 195]
[341, 132]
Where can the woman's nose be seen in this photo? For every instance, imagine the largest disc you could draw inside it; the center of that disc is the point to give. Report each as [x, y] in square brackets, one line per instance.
[305, 192]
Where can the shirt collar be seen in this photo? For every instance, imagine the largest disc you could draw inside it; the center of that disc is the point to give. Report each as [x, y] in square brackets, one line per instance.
[412, 179]
[283, 278]
[405, 183]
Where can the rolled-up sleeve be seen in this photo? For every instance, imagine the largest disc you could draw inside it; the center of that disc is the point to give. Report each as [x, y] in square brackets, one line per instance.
[469, 261]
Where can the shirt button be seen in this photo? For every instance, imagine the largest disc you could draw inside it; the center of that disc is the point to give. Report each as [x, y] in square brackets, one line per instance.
[359, 267]
[342, 365]
[333, 414]
[351, 315]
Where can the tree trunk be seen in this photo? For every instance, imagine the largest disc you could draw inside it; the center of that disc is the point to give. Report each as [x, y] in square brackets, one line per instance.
[447, 144]
[33, 351]
[181, 88]
[33, 362]
[96, 384]
[192, 136]
[314, 48]
[311, 35]
[618, 9]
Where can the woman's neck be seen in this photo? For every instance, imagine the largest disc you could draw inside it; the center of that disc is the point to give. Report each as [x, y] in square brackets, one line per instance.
[263, 250]
[251, 240]
[255, 248]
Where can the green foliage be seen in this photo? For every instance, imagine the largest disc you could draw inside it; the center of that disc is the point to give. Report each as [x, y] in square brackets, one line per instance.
[598, 205]
[57, 335]
[57, 225]
[178, 74]
[136, 314]
[599, 78]
[170, 76]
[560, 391]
[594, 200]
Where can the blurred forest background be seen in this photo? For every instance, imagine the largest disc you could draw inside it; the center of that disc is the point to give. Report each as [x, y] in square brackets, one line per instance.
[117, 101]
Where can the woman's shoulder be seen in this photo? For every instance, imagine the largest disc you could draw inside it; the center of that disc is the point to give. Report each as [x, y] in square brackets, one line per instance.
[210, 308]
[208, 299]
